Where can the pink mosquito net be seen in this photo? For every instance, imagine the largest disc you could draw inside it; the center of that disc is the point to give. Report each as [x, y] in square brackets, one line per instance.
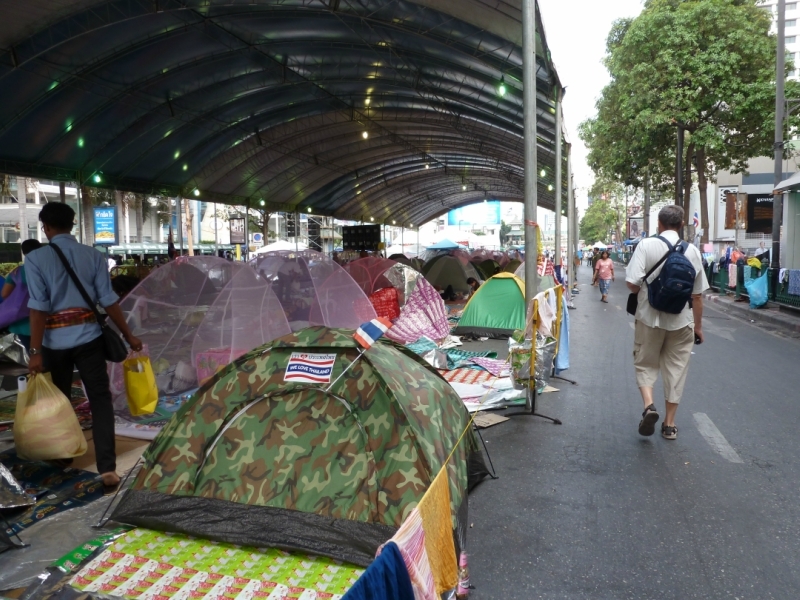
[404, 296]
[244, 316]
[314, 290]
[166, 310]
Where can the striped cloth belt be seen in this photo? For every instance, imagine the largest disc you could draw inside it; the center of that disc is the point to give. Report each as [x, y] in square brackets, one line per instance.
[69, 317]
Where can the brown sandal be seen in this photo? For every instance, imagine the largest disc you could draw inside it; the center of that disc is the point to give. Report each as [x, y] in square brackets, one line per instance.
[647, 426]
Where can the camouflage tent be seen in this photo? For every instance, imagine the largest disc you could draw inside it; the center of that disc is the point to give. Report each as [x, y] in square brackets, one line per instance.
[260, 457]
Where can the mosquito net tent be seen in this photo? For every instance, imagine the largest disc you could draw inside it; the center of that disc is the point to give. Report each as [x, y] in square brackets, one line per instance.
[166, 310]
[403, 295]
[314, 290]
[547, 278]
[245, 315]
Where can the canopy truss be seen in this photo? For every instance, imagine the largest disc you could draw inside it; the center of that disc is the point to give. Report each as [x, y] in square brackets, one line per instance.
[363, 109]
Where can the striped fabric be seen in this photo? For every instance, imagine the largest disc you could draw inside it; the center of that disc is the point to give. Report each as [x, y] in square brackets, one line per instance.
[470, 376]
[410, 539]
[70, 317]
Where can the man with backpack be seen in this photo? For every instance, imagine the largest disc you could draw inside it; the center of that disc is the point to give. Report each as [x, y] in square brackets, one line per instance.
[666, 280]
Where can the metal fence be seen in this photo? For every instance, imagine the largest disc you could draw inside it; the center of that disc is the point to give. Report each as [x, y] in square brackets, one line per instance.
[778, 292]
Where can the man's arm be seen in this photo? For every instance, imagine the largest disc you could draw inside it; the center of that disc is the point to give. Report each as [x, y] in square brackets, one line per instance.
[115, 314]
[633, 287]
[38, 318]
[697, 312]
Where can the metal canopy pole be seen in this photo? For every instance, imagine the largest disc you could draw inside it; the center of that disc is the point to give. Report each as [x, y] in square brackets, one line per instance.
[557, 248]
[780, 77]
[531, 176]
[570, 225]
[529, 128]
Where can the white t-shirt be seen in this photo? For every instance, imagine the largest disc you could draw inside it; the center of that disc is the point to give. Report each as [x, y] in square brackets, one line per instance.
[647, 254]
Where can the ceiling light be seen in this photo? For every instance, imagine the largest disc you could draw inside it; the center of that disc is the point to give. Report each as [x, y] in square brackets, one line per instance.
[309, 209]
[185, 167]
[372, 218]
[366, 102]
[427, 166]
[262, 203]
[365, 135]
[501, 89]
[550, 187]
[542, 173]
[410, 224]
[464, 188]
[97, 178]
[393, 223]
[80, 142]
[196, 192]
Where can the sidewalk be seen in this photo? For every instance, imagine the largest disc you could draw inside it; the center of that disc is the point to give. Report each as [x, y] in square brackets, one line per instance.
[770, 315]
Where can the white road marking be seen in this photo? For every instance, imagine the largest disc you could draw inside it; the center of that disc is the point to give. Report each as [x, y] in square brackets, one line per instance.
[715, 438]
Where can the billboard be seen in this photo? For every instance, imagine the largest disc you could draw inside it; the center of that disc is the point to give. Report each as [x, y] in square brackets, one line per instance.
[482, 213]
[105, 225]
[237, 231]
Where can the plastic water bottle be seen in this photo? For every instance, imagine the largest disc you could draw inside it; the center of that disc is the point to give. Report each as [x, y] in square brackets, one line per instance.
[462, 590]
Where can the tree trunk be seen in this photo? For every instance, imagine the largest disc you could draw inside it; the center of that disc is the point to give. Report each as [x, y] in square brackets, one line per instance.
[120, 217]
[265, 228]
[87, 216]
[139, 204]
[702, 183]
[189, 224]
[687, 178]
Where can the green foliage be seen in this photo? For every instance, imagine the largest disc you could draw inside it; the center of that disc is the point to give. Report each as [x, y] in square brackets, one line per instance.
[707, 66]
[6, 268]
[597, 222]
[505, 229]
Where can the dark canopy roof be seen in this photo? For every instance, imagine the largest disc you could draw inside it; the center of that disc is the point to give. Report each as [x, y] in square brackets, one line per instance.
[268, 100]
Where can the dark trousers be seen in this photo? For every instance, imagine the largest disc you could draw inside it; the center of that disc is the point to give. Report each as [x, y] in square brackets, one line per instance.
[90, 361]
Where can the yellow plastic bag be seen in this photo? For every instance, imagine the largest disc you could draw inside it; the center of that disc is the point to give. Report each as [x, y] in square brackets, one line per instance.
[45, 426]
[140, 385]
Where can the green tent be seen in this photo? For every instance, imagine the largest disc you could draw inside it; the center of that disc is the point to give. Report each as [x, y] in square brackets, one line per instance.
[488, 268]
[264, 455]
[496, 309]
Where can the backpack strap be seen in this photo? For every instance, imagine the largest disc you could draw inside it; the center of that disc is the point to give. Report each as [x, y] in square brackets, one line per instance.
[670, 248]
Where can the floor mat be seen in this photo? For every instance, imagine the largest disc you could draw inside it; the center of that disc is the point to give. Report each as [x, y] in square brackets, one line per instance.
[56, 489]
[466, 376]
[149, 564]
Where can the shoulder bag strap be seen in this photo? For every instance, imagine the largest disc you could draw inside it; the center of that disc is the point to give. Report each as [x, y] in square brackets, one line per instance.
[78, 284]
[670, 248]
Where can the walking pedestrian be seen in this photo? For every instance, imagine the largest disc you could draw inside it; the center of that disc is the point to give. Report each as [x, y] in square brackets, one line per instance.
[64, 330]
[663, 339]
[604, 275]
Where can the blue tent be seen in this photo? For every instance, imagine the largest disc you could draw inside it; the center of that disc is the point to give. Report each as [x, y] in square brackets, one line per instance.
[444, 245]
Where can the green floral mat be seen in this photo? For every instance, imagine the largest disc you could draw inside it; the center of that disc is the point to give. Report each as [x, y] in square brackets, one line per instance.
[152, 565]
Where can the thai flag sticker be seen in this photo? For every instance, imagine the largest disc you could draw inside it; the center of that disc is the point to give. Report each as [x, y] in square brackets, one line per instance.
[309, 368]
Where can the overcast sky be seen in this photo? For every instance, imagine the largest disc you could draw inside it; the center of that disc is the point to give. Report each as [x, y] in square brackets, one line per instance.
[576, 33]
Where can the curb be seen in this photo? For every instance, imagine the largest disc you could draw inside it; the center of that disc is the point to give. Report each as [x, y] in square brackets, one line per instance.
[754, 315]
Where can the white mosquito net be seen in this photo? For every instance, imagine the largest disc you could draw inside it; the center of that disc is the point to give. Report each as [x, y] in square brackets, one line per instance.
[314, 290]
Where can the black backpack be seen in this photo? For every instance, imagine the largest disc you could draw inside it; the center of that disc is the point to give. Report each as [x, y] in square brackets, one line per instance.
[672, 289]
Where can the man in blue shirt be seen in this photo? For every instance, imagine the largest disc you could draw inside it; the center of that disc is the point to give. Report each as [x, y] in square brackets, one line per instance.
[64, 330]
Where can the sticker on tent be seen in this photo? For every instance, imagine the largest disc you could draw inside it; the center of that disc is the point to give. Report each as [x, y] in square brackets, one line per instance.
[309, 368]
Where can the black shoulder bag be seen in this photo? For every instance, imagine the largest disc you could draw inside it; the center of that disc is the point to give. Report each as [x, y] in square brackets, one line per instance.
[633, 299]
[113, 346]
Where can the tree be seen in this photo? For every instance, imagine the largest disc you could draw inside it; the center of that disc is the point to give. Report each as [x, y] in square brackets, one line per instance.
[705, 67]
[505, 229]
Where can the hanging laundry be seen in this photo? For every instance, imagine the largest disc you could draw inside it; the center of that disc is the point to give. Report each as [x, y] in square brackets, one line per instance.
[385, 579]
[732, 275]
[410, 539]
[562, 358]
[438, 525]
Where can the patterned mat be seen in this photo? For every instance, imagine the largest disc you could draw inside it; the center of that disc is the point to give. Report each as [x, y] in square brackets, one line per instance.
[466, 376]
[148, 564]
